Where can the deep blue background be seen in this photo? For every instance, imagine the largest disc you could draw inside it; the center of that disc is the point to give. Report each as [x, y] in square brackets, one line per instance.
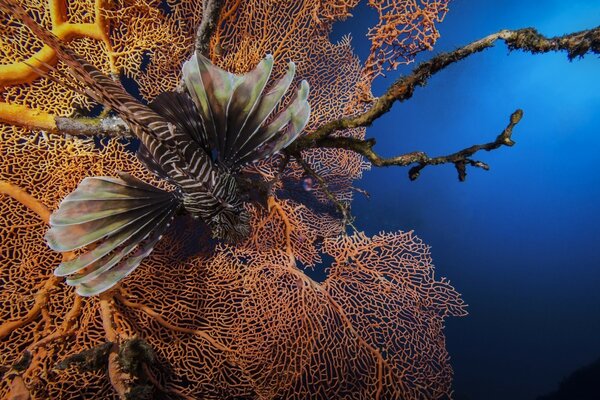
[520, 242]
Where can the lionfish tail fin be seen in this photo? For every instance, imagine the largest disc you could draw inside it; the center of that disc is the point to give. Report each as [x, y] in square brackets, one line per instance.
[237, 110]
[122, 218]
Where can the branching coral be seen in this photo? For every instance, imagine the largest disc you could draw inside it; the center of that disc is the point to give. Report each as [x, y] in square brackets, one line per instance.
[206, 320]
[224, 322]
[230, 321]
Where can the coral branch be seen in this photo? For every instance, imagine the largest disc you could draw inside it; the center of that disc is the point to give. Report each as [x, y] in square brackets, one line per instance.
[41, 298]
[575, 44]
[18, 389]
[19, 115]
[350, 328]
[26, 199]
[21, 72]
[460, 159]
[211, 10]
[120, 380]
[158, 318]
[67, 328]
[274, 207]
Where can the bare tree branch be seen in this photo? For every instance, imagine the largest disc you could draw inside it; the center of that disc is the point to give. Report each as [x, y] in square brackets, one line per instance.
[460, 159]
[528, 39]
[107, 126]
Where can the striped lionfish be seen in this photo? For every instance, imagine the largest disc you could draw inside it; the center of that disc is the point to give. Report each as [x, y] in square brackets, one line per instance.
[196, 140]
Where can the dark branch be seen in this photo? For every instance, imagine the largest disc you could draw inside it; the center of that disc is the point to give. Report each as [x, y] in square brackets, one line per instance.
[460, 159]
[528, 39]
[211, 11]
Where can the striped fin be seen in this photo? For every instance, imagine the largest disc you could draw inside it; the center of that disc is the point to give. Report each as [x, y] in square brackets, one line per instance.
[94, 269]
[100, 282]
[281, 131]
[233, 108]
[211, 88]
[264, 108]
[180, 110]
[245, 98]
[146, 158]
[117, 215]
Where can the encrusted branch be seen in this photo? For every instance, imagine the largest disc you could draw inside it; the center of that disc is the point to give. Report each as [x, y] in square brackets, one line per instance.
[211, 11]
[527, 39]
[460, 159]
[20, 115]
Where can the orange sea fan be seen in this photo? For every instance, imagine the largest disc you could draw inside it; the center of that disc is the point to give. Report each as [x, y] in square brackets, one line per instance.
[223, 321]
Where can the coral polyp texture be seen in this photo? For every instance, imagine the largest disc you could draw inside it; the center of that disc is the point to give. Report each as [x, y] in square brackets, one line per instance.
[200, 319]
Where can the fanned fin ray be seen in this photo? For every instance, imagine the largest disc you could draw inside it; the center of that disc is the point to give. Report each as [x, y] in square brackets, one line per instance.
[112, 276]
[281, 131]
[118, 216]
[261, 112]
[245, 98]
[233, 109]
[94, 269]
[211, 87]
[180, 110]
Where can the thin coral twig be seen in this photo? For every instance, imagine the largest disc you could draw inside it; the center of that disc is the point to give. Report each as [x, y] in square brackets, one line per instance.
[67, 327]
[119, 380]
[41, 298]
[274, 206]
[26, 199]
[120, 296]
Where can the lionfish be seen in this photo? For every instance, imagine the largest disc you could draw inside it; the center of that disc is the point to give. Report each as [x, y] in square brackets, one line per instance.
[197, 140]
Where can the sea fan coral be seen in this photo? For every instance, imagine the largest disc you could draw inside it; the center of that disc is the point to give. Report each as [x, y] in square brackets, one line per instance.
[200, 319]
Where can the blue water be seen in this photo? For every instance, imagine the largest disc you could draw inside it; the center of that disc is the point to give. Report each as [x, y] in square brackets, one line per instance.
[520, 242]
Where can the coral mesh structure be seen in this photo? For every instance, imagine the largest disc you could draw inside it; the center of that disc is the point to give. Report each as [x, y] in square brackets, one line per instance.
[223, 321]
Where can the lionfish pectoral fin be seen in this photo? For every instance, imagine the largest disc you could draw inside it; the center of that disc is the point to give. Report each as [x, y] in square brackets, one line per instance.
[281, 131]
[122, 217]
[234, 109]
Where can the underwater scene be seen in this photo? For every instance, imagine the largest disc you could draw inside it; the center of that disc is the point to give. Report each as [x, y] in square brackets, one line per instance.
[299, 199]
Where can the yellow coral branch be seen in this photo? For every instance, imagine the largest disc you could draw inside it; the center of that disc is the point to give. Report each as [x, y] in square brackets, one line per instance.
[26, 199]
[20, 72]
[16, 114]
